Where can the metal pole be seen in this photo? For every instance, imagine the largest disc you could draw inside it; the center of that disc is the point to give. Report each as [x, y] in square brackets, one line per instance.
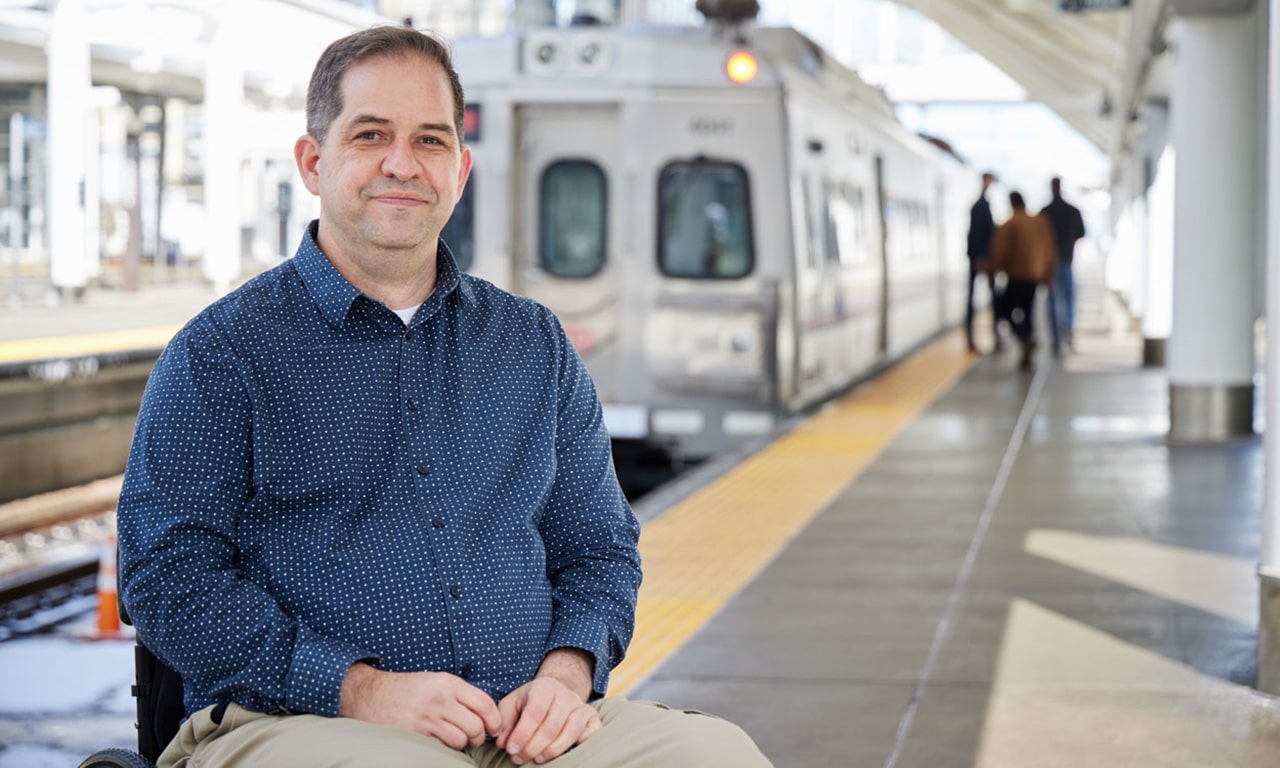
[1214, 121]
[69, 83]
[17, 155]
[1269, 559]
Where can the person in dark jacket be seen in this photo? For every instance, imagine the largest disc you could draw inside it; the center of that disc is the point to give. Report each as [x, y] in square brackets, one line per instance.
[1068, 227]
[981, 228]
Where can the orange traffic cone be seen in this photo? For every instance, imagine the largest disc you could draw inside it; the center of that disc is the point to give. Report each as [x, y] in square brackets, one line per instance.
[108, 601]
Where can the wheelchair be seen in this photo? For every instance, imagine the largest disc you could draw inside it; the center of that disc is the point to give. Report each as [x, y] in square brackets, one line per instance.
[158, 690]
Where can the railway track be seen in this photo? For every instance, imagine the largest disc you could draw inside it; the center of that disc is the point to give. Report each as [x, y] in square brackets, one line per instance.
[49, 556]
[43, 597]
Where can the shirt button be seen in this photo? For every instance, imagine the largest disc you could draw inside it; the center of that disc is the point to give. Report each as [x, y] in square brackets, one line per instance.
[455, 590]
[408, 335]
[467, 669]
[437, 523]
[410, 404]
[424, 470]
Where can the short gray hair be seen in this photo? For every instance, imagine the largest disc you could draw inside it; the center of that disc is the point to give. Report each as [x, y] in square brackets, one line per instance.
[324, 93]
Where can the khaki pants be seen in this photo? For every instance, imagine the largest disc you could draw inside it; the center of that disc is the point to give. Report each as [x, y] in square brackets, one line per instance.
[636, 734]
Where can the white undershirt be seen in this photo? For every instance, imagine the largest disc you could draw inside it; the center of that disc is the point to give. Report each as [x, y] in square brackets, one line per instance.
[406, 314]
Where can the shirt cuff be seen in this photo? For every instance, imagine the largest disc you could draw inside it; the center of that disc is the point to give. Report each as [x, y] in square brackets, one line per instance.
[591, 636]
[315, 677]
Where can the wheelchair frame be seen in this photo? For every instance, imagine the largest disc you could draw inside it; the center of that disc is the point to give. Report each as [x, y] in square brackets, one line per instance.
[158, 690]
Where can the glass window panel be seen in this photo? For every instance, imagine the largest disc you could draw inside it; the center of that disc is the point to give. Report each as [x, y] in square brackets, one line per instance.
[704, 220]
[573, 213]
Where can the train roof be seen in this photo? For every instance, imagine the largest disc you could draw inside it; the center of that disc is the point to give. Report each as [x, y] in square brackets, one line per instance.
[653, 56]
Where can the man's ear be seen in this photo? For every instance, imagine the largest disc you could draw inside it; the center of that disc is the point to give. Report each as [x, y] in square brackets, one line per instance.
[464, 168]
[306, 153]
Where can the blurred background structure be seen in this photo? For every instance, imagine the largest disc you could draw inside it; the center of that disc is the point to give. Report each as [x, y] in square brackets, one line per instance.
[148, 141]
[164, 111]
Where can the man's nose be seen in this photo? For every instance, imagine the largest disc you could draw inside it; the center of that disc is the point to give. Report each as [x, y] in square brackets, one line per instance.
[399, 161]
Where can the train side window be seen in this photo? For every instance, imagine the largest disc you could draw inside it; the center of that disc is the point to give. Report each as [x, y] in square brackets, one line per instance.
[830, 229]
[704, 220]
[859, 213]
[572, 218]
[844, 226]
[845, 237]
[812, 238]
[460, 231]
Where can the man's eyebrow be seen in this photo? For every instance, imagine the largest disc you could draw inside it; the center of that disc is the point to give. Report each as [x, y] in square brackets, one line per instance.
[367, 119]
[442, 127]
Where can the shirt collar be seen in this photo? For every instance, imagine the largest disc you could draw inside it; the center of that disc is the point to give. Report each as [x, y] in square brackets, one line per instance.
[334, 295]
[449, 278]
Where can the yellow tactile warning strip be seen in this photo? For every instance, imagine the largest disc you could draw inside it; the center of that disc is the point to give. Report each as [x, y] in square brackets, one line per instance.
[702, 551]
[82, 345]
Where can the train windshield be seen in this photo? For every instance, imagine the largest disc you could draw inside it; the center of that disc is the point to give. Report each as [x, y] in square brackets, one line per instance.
[574, 206]
[704, 220]
[460, 231]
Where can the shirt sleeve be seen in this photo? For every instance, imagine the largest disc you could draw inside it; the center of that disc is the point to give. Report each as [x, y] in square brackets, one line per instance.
[188, 478]
[591, 534]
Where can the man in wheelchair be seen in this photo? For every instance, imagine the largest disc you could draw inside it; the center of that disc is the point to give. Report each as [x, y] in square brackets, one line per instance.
[370, 514]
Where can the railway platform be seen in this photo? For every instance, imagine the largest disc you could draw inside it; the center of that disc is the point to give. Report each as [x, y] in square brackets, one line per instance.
[104, 319]
[957, 564]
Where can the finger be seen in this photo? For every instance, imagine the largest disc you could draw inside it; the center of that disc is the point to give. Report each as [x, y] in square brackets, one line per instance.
[559, 715]
[581, 725]
[571, 734]
[546, 734]
[469, 724]
[481, 705]
[509, 709]
[448, 734]
[593, 724]
[531, 715]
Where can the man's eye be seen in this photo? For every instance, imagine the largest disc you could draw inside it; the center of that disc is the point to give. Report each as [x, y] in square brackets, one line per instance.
[430, 140]
[367, 135]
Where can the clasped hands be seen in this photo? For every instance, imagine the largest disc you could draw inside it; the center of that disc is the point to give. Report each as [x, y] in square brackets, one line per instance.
[536, 722]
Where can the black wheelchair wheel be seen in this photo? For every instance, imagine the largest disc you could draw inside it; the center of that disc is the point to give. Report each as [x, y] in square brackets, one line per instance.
[116, 758]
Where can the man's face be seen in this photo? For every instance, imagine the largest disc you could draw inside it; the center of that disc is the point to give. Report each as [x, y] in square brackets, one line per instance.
[391, 167]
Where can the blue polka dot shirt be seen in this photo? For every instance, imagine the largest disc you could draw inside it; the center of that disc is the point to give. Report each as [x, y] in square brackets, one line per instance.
[313, 483]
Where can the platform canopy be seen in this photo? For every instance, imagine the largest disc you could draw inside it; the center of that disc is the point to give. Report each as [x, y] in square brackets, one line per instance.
[1094, 62]
[161, 46]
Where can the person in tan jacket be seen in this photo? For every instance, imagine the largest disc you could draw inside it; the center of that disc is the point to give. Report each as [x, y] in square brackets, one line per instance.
[1022, 249]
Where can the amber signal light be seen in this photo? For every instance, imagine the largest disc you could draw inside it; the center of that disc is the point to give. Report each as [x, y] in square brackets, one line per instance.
[742, 67]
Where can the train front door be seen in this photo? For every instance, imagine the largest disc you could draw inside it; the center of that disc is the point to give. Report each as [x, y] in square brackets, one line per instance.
[568, 228]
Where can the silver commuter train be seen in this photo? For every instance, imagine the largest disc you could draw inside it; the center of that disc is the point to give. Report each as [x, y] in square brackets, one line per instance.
[731, 226]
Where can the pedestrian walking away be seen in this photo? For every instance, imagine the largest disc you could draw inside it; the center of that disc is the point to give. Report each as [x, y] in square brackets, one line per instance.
[1022, 249]
[1068, 227]
[981, 228]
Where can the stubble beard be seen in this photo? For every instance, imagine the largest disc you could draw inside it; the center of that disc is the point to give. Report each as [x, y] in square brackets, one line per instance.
[398, 231]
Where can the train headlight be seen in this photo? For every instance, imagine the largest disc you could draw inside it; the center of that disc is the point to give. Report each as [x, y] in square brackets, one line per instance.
[592, 54]
[543, 55]
[742, 67]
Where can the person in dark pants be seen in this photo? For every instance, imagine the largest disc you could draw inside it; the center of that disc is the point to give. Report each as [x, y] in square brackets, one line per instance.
[1022, 248]
[1068, 227]
[981, 228]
